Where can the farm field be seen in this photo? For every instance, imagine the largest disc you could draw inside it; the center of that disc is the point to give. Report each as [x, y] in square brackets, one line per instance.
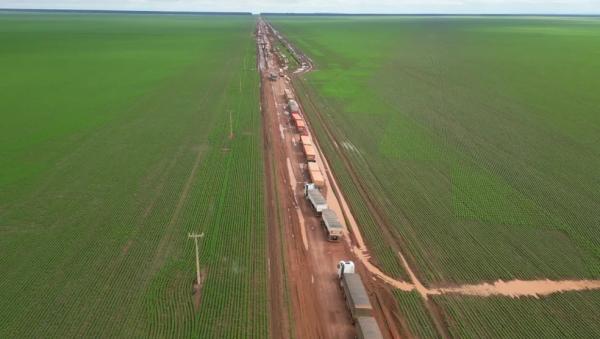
[115, 144]
[477, 141]
[568, 315]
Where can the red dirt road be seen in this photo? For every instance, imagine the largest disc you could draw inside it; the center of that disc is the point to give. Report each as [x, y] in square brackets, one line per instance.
[317, 303]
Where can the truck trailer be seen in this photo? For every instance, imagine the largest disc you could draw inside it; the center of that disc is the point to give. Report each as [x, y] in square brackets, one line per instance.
[316, 199]
[287, 93]
[316, 175]
[355, 293]
[305, 140]
[332, 225]
[295, 117]
[293, 106]
[310, 153]
[301, 127]
[367, 328]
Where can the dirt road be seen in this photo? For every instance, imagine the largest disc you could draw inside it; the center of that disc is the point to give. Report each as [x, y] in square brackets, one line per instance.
[317, 304]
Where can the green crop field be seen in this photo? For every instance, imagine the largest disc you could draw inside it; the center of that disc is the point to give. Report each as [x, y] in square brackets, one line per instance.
[568, 315]
[418, 322]
[477, 139]
[114, 144]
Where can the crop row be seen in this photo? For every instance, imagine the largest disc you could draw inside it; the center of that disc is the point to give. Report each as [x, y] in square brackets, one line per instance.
[418, 320]
[567, 315]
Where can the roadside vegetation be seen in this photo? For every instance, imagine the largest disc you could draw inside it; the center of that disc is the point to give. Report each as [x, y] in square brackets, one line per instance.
[115, 144]
[477, 141]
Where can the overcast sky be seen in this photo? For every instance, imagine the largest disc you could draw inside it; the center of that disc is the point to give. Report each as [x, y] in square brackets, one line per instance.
[338, 6]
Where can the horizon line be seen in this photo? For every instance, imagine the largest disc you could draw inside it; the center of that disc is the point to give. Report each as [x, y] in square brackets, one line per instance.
[184, 12]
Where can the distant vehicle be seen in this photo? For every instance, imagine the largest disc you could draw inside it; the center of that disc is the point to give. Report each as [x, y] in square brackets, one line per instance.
[281, 74]
[272, 76]
[355, 293]
[293, 106]
[295, 117]
[287, 93]
[301, 126]
[314, 196]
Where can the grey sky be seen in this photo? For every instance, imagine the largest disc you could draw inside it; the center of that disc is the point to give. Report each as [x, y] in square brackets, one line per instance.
[339, 6]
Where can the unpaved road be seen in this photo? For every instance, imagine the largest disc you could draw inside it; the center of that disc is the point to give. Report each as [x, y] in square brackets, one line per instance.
[316, 302]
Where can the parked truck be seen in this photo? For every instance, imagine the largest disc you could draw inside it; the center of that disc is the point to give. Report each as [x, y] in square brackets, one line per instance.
[288, 95]
[314, 196]
[305, 140]
[367, 328]
[293, 106]
[295, 117]
[316, 175]
[310, 153]
[332, 225]
[355, 293]
[301, 127]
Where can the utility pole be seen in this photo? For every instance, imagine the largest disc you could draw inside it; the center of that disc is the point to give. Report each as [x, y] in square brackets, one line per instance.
[196, 236]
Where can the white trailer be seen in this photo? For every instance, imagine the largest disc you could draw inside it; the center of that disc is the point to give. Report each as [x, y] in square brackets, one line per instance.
[332, 225]
[314, 196]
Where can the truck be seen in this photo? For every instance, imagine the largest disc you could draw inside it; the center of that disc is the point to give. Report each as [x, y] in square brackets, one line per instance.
[357, 299]
[281, 72]
[309, 153]
[367, 328]
[314, 196]
[301, 127]
[305, 140]
[287, 93]
[316, 175]
[331, 224]
[272, 76]
[295, 117]
[293, 106]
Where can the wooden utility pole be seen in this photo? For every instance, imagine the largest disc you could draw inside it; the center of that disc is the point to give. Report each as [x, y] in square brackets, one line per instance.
[196, 236]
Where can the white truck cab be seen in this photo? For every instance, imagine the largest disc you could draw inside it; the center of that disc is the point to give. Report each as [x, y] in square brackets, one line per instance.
[345, 266]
